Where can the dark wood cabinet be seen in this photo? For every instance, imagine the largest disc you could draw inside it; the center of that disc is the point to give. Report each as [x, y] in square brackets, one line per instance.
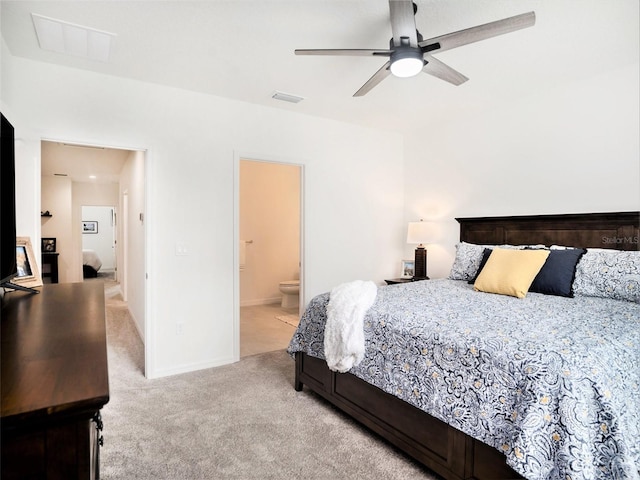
[54, 382]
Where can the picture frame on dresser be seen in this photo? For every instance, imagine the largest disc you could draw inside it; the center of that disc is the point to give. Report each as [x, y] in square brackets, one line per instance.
[28, 273]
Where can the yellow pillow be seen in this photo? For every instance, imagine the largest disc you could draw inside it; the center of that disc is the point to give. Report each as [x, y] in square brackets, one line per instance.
[510, 272]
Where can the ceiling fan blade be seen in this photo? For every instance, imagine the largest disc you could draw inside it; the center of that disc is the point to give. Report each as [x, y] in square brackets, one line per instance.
[403, 22]
[443, 71]
[377, 77]
[482, 32]
[345, 51]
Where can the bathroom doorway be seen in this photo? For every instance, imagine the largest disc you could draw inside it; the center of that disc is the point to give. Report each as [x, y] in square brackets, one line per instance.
[269, 251]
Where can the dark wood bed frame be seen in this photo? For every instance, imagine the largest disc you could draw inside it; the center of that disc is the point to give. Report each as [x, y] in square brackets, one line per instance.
[443, 449]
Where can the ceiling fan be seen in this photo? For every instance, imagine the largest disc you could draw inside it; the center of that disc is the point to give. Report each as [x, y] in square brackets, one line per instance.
[409, 54]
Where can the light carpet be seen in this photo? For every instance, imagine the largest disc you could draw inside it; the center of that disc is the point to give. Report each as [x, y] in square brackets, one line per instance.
[239, 421]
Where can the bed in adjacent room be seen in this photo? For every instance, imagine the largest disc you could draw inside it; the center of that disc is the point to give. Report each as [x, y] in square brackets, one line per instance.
[91, 263]
[487, 385]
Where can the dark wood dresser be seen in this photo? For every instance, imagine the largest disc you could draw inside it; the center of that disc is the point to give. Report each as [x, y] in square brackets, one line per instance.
[54, 382]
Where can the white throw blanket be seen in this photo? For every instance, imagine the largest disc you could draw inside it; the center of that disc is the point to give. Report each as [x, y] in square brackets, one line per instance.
[344, 331]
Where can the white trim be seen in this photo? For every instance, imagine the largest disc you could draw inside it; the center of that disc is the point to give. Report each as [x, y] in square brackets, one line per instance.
[191, 367]
[236, 258]
[149, 291]
[261, 301]
[135, 324]
[83, 143]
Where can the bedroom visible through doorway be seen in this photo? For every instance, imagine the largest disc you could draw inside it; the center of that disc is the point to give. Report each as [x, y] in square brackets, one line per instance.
[99, 254]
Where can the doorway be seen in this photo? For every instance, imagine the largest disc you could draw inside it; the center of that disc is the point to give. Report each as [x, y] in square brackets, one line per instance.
[74, 176]
[99, 242]
[269, 254]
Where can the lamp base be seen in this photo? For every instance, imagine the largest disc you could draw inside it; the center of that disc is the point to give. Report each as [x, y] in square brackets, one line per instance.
[420, 265]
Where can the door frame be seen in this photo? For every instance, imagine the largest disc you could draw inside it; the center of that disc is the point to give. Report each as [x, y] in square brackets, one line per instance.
[148, 334]
[264, 158]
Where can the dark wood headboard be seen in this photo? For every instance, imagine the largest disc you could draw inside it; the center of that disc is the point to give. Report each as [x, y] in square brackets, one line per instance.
[616, 230]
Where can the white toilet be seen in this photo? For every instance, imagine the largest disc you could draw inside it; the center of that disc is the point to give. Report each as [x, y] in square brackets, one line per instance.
[290, 293]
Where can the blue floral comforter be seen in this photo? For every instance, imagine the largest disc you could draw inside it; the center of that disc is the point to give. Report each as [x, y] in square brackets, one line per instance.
[552, 382]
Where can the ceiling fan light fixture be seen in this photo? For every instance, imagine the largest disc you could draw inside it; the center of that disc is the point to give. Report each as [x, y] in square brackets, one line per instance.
[406, 63]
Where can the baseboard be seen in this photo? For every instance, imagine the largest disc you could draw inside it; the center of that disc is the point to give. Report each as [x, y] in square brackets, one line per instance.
[137, 325]
[191, 367]
[261, 301]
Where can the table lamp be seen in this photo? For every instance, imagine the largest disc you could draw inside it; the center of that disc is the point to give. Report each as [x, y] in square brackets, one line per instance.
[420, 233]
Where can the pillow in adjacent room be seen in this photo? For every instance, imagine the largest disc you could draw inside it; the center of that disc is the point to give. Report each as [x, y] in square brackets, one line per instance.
[558, 272]
[510, 272]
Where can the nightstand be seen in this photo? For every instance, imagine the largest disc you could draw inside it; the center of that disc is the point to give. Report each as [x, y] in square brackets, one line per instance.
[394, 281]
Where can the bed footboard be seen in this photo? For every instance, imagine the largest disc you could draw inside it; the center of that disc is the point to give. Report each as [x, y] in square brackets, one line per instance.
[445, 450]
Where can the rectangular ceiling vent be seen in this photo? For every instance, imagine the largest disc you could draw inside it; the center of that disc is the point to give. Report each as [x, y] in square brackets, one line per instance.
[67, 38]
[286, 97]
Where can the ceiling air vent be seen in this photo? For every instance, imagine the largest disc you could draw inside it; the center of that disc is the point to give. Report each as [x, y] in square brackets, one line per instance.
[287, 97]
[63, 37]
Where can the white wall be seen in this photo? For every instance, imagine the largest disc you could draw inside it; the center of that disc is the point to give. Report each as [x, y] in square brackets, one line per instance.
[353, 192]
[132, 275]
[573, 149]
[56, 198]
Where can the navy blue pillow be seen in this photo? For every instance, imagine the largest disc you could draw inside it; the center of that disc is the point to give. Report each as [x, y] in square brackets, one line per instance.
[558, 272]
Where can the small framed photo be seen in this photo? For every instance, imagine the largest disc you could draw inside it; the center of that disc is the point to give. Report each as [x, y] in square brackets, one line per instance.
[48, 245]
[408, 269]
[89, 226]
[28, 274]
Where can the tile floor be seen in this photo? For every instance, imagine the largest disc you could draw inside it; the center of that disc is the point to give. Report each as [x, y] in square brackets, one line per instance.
[261, 331]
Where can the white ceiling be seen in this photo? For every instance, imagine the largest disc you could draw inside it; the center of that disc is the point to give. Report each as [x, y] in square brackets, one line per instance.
[243, 50]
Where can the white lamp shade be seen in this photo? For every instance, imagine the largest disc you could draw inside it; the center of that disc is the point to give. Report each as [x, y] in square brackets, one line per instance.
[419, 232]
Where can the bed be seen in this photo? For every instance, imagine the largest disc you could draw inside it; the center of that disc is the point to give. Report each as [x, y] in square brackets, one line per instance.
[91, 263]
[473, 393]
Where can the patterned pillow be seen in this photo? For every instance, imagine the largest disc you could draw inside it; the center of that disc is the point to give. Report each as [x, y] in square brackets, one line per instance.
[468, 258]
[609, 274]
[467, 261]
[485, 257]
